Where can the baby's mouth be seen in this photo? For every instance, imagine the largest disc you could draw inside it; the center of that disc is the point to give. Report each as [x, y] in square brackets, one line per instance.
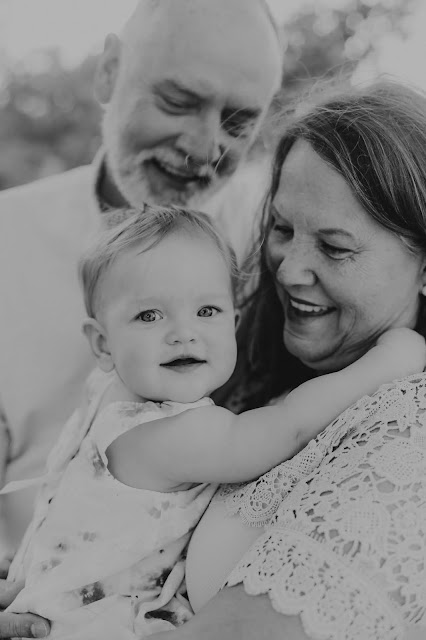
[183, 364]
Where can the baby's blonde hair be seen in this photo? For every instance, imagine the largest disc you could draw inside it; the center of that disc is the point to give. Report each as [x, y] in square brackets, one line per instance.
[145, 227]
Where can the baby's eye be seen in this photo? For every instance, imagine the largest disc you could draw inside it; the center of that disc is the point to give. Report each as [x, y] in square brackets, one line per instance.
[151, 315]
[207, 312]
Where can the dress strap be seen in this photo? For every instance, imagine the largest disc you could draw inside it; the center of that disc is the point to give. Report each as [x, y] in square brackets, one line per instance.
[120, 417]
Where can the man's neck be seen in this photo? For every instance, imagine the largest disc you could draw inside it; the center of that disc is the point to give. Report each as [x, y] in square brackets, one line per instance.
[108, 192]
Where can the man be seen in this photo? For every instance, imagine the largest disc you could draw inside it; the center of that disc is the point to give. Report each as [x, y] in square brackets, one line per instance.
[185, 89]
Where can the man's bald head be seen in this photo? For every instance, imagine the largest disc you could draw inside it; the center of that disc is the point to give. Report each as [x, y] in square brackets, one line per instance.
[186, 86]
[147, 9]
[251, 16]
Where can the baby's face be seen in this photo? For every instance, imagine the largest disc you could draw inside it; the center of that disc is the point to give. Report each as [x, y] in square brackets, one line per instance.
[168, 314]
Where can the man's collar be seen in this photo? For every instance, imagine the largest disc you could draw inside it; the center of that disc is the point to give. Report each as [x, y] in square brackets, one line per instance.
[99, 169]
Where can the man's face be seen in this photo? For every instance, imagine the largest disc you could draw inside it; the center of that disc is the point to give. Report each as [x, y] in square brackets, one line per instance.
[186, 105]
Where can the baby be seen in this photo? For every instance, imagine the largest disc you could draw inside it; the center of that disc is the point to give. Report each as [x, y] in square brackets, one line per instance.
[134, 470]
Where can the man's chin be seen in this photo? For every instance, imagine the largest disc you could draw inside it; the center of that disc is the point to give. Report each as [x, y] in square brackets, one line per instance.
[179, 198]
[137, 197]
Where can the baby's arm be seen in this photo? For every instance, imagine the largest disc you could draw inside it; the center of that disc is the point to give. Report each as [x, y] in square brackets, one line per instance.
[213, 445]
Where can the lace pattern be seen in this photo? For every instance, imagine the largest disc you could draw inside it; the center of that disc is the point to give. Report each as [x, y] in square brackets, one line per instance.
[345, 540]
[302, 577]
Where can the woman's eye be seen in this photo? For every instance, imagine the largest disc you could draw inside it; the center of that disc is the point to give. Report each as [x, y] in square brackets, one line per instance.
[337, 253]
[149, 316]
[207, 312]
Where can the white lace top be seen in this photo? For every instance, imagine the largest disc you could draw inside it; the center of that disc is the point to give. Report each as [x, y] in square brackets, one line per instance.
[345, 523]
[103, 560]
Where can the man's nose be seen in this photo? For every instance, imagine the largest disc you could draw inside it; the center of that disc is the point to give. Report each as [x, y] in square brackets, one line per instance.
[296, 266]
[202, 139]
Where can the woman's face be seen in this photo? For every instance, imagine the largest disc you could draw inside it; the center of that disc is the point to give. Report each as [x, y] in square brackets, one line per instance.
[342, 278]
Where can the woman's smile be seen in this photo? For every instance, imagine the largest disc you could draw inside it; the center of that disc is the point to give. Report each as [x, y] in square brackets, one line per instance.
[299, 308]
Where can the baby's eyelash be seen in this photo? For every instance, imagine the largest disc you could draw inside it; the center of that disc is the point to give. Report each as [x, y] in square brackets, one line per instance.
[143, 315]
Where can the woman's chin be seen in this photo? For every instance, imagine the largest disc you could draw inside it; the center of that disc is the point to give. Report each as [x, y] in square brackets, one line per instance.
[316, 354]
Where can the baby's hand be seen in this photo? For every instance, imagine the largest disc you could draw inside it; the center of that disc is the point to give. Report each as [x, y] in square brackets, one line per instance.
[404, 349]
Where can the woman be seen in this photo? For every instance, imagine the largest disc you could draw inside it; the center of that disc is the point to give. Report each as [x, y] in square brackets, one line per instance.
[332, 543]
[337, 536]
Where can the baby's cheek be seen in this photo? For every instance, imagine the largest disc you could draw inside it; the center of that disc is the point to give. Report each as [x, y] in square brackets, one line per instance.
[132, 365]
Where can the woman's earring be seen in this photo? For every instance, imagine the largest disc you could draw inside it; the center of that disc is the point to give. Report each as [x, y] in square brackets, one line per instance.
[423, 290]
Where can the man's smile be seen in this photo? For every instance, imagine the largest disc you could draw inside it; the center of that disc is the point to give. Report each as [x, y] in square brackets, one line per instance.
[178, 175]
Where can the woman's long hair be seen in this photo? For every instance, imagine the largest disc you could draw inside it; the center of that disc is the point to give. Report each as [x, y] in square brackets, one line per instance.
[375, 138]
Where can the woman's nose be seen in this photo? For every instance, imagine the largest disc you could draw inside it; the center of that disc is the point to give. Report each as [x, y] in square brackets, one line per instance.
[296, 267]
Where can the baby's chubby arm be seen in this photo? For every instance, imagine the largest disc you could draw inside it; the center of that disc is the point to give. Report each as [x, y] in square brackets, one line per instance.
[213, 445]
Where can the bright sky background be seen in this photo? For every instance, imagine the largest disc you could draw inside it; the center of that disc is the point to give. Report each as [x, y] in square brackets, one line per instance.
[77, 27]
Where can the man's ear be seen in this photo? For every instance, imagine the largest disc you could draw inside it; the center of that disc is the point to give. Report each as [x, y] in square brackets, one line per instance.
[98, 342]
[107, 69]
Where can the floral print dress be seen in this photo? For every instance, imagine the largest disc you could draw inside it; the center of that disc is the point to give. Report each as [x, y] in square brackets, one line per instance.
[101, 559]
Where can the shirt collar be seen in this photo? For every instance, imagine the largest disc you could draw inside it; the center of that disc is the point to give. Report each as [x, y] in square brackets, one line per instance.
[99, 169]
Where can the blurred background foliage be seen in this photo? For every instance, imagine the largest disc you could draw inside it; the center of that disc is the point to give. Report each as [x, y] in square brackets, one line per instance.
[50, 122]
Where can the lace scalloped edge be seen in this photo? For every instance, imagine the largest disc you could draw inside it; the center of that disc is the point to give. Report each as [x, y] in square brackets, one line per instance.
[384, 623]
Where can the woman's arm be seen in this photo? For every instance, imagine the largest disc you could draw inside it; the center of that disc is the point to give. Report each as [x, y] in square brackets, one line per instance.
[234, 615]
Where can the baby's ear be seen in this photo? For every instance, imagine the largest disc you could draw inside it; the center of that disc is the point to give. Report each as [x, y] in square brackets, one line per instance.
[98, 342]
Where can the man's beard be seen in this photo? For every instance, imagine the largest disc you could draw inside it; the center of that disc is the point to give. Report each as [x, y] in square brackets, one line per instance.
[128, 172]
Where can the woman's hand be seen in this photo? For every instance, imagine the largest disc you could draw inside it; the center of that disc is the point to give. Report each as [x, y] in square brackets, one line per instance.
[22, 625]
[232, 614]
